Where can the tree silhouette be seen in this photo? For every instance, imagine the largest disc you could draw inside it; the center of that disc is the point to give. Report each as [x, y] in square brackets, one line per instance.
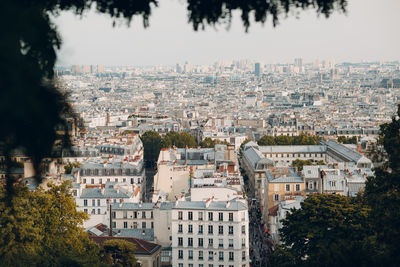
[31, 106]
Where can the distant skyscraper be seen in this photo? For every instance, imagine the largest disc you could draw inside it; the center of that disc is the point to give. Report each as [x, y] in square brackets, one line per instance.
[86, 69]
[100, 68]
[257, 69]
[76, 69]
[298, 62]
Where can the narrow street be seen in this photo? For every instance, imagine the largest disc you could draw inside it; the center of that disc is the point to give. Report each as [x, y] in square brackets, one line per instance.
[257, 235]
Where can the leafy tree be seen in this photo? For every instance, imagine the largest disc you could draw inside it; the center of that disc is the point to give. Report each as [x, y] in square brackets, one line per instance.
[28, 90]
[382, 193]
[152, 143]
[121, 252]
[347, 140]
[328, 230]
[43, 228]
[266, 140]
[181, 140]
[68, 167]
[284, 140]
[207, 143]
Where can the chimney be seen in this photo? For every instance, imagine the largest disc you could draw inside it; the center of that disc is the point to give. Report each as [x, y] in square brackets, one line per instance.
[228, 203]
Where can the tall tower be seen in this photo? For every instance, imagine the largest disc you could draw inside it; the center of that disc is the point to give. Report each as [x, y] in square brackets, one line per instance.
[257, 69]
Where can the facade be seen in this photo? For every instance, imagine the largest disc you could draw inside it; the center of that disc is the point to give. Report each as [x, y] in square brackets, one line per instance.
[210, 233]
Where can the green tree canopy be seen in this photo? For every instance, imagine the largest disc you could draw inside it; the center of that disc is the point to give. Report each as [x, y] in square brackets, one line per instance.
[299, 163]
[328, 230]
[43, 228]
[120, 251]
[68, 167]
[382, 193]
[207, 143]
[347, 140]
[284, 140]
[152, 143]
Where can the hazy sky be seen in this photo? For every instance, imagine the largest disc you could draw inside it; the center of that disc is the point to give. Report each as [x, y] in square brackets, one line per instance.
[369, 31]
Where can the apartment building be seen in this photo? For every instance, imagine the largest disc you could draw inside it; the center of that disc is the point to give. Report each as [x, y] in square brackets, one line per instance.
[210, 233]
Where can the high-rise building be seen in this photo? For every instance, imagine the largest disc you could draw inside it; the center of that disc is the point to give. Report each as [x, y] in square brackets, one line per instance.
[100, 68]
[298, 62]
[257, 69]
[76, 69]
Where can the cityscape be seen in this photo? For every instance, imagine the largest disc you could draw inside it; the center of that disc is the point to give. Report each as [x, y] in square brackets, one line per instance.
[244, 161]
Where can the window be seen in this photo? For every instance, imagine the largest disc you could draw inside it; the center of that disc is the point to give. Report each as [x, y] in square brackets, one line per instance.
[143, 225]
[230, 230]
[210, 216]
[210, 256]
[190, 228]
[220, 229]
[200, 255]
[200, 216]
[98, 211]
[84, 181]
[179, 228]
[200, 242]
[180, 216]
[243, 255]
[124, 180]
[100, 181]
[231, 243]
[180, 254]
[220, 216]
[93, 202]
[152, 225]
[190, 215]
[220, 243]
[114, 224]
[190, 242]
[98, 202]
[113, 214]
[125, 224]
[125, 214]
[243, 242]
[210, 242]
[180, 241]
[231, 256]
[230, 216]
[221, 255]
[180, 264]
[210, 230]
[297, 187]
[276, 197]
[85, 202]
[190, 254]
[135, 225]
[243, 229]
[93, 211]
[287, 187]
[143, 214]
[85, 210]
[135, 214]
[200, 229]
[92, 181]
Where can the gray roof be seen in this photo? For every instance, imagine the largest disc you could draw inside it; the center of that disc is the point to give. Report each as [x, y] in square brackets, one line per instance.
[145, 234]
[252, 155]
[214, 205]
[108, 193]
[132, 206]
[342, 150]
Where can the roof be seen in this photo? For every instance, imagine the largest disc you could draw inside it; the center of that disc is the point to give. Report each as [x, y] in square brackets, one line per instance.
[143, 247]
[214, 205]
[342, 151]
[132, 206]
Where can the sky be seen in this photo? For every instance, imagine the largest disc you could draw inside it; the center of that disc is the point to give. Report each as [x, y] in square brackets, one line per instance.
[369, 31]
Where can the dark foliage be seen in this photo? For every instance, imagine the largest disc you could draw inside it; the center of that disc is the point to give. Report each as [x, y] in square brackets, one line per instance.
[382, 193]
